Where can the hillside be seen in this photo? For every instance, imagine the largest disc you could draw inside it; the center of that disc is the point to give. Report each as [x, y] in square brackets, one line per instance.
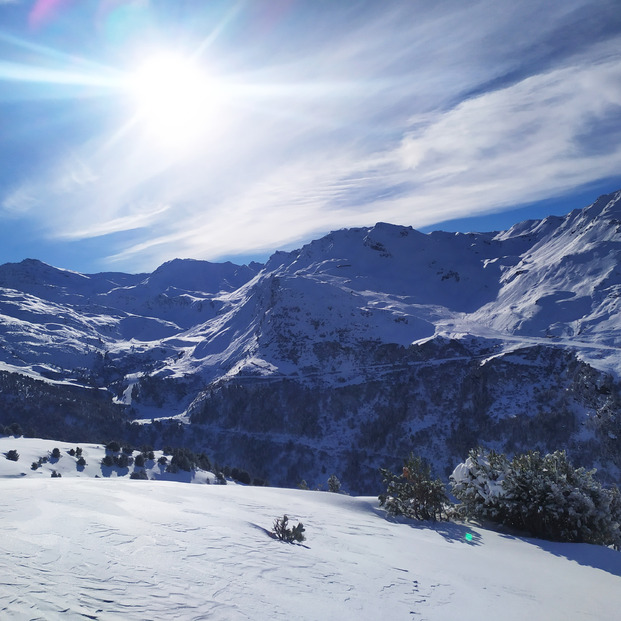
[342, 356]
[108, 548]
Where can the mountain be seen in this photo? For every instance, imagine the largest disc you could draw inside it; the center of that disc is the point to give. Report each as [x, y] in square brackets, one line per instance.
[339, 357]
[79, 547]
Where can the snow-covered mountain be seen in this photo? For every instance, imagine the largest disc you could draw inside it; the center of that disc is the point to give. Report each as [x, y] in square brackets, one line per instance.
[79, 547]
[339, 357]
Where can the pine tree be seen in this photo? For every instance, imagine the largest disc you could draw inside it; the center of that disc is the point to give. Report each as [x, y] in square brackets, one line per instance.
[414, 493]
[543, 495]
[334, 485]
[478, 484]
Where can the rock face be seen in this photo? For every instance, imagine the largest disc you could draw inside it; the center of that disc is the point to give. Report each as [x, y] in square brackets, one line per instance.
[340, 357]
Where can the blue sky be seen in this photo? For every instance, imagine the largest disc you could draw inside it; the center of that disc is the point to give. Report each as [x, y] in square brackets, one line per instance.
[297, 117]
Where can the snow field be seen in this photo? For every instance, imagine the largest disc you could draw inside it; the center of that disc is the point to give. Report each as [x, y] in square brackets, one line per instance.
[76, 548]
[31, 449]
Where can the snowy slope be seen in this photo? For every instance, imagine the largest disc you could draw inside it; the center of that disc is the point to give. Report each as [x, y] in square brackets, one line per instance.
[568, 282]
[135, 550]
[31, 450]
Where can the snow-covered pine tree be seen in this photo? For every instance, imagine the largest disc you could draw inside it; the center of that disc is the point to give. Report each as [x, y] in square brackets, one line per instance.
[544, 495]
[547, 496]
[477, 483]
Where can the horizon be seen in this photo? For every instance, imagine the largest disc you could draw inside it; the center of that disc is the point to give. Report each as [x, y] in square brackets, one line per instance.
[138, 132]
[475, 224]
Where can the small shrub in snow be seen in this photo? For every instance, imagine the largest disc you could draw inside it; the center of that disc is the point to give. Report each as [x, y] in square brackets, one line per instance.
[139, 474]
[283, 532]
[220, 478]
[34, 465]
[56, 453]
[163, 460]
[414, 493]
[108, 461]
[81, 462]
[241, 476]
[12, 455]
[121, 460]
[56, 475]
[139, 460]
[113, 447]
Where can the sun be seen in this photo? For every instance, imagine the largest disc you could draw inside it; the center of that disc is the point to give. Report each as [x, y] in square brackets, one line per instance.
[174, 98]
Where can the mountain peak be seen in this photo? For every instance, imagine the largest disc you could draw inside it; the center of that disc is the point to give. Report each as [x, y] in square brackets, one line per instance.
[607, 205]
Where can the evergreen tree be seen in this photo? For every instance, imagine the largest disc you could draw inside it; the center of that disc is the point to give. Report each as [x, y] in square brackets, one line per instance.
[477, 483]
[334, 485]
[414, 493]
[543, 495]
[547, 496]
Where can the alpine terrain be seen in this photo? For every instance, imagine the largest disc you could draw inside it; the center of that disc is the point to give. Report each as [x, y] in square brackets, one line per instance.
[340, 357]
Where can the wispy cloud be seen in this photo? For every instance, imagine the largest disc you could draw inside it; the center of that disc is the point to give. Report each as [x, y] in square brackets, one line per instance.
[413, 114]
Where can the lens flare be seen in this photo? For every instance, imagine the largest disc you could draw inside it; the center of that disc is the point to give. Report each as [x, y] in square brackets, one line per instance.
[174, 98]
[44, 11]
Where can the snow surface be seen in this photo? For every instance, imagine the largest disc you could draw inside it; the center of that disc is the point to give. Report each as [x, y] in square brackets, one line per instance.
[114, 548]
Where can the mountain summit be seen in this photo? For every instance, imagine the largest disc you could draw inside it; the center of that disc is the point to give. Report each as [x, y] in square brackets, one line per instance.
[341, 356]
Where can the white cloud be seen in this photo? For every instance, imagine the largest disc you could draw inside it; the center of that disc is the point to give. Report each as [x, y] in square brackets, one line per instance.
[418, 114]
[518, 144]
[19, 201]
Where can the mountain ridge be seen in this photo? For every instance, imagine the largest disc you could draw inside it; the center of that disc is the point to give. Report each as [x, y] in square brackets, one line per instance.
[368, 342]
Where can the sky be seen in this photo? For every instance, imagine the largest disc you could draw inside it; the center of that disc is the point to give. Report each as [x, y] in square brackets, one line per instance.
[133, 132]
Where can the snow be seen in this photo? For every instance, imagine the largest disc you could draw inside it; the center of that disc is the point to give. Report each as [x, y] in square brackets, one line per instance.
[114, 548]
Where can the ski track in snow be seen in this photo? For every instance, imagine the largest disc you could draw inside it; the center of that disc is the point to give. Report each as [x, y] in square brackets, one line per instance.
[136, 550]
